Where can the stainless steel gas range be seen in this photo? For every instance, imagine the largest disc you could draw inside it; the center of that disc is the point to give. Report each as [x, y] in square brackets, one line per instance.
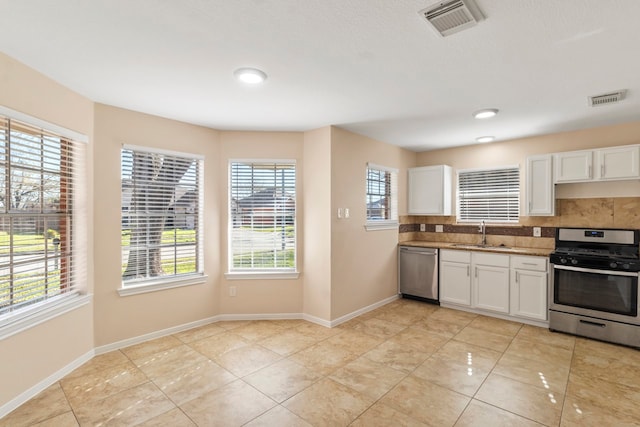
[594, 284]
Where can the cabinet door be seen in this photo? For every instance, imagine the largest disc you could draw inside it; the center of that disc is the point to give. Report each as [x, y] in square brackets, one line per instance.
[574, 166]
[540, 197]
[491, 288]
[529, 294]
[429, 190]
[619, 162]
[455, 283]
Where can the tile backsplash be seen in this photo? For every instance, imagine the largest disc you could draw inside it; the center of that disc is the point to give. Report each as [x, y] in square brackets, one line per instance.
[619, 212]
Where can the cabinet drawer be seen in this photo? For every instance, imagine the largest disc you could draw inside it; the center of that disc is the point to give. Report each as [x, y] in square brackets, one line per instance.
[494, 260]
[534, 263]
[455, 256]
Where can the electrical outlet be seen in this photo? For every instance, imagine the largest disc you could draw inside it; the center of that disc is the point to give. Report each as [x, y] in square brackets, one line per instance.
[339, 213]
[346, 213]
[439, 228]
[232, 291]
[423, 227]
[537, 231]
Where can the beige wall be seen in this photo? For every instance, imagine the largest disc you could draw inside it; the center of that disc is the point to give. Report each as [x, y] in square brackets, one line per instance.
[118, 318]
[69, 336]
[363, 263]
[317, 224]
[261, 296]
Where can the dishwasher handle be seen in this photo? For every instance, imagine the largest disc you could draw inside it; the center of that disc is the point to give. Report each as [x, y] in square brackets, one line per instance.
[431, 252]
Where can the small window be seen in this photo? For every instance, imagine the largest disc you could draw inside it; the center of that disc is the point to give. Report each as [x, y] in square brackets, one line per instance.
[492, 195]
[382, 197]
[262, 216]
[161, 216]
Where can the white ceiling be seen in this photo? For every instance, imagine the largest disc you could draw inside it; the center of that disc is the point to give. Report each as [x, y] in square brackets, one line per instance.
[374, 67]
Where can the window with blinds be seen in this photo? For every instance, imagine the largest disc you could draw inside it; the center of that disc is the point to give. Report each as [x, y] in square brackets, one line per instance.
[382, 193]
[262, 216]
[161, 215]
[42, 254]
[492, 195]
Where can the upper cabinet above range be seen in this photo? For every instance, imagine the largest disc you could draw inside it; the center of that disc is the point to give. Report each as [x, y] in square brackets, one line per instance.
[429, 190]
[615, 163]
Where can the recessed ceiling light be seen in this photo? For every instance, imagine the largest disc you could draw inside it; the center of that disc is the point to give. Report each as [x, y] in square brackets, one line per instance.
[250, 76]
[485, 138]
[486, 113]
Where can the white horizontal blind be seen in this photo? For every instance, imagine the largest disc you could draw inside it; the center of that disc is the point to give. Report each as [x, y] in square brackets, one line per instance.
[262, 217]
[161, 215]
[382, 193]
[491, 195]
[42, 249]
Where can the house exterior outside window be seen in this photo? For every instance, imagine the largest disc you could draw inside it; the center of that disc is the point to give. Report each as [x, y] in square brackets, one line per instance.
[381, 197]
[262, 217]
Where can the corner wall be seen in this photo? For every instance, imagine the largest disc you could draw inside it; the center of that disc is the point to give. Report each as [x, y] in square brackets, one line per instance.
[363, 263]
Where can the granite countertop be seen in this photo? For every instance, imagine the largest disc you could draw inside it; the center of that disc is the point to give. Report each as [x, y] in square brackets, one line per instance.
[486, 248]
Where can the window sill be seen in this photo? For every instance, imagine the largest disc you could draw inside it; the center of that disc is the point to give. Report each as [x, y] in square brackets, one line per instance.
[381, 225]
[261, 275]
[30, 318]
[161, 284]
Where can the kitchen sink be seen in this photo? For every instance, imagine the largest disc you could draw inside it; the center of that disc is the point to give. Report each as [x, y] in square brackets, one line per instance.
[479, 246]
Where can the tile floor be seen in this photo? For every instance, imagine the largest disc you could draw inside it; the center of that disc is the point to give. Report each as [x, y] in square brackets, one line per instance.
[404, 364]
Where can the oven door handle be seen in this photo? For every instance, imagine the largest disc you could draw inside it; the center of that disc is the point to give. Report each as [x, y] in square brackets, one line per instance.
[591, 270]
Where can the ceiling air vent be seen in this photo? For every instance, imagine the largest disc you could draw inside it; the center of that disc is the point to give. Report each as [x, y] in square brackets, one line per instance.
[452, 16]
[607, 98]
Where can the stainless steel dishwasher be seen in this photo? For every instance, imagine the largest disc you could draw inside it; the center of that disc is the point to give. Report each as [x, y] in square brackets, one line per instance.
[418, 273]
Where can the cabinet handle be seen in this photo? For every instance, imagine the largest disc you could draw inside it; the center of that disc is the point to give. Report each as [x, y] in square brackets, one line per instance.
[529, 263]
[468, 271]
[602, 170]
[517, 275]
[589, 172]
[529, 207]
[476, 274]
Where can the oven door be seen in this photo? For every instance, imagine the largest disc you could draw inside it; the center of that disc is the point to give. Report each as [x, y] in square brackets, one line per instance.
[604, 294]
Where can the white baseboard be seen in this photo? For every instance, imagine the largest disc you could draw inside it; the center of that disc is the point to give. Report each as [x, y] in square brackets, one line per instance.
[153, 335]
[317, 320]
[363, 310]
[44, 384]
[265, 316]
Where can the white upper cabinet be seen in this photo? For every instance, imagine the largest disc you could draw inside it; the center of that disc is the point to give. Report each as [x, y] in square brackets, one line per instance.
[429, 190]
[618, 162]
[615, 163]
[573, 166]
[540, 196]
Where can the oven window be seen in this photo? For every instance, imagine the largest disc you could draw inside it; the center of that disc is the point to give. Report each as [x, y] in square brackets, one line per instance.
[602, 292]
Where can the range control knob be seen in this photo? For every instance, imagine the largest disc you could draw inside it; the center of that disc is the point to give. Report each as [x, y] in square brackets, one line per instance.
[563, 260]
[613, 264]
[625, 266]
[574, 261]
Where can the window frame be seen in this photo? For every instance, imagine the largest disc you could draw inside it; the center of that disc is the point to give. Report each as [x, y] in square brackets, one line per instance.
[75, 211]
[384, 223]
[239, 273]
[516, 173]
[161, 282]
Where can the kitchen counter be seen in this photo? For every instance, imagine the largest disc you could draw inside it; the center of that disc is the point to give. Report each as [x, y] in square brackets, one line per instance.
[482, 248]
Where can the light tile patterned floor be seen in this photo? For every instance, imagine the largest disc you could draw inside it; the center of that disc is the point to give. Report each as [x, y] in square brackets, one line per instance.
[404, 364]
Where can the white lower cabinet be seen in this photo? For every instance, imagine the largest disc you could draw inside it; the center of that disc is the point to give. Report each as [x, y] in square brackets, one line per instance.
[490, 282]
[510, 285]
[455, 277]
[529, 287]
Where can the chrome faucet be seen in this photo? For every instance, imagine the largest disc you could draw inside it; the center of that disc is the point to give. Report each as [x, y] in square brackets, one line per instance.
[482, 228]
